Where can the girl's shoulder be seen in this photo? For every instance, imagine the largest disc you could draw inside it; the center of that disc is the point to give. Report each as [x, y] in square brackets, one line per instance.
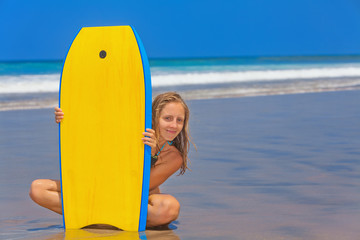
[174, 151]
[172, 155]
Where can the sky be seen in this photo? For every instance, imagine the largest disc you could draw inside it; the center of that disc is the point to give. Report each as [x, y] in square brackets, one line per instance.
[44, 30]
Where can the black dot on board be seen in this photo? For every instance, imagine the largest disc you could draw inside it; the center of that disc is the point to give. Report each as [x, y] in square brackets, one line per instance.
[102, 54]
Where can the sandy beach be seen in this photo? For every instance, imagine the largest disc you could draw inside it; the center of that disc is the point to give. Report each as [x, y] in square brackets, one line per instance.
[267, 167]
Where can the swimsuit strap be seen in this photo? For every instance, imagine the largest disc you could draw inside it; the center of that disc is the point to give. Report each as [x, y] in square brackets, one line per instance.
[170, 143]
[155, 157]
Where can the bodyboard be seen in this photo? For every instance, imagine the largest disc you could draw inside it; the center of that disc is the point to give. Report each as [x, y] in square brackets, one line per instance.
[105, 94]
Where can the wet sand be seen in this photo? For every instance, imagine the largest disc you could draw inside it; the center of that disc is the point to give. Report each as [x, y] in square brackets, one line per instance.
[272, 167]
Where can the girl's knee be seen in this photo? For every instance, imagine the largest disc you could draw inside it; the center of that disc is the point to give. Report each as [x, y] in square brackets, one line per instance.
[163, 209]
[170, 209]
[36, 189]
[173, 207]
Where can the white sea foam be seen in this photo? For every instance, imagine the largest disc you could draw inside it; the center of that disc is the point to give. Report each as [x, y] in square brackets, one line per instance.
[253, 76]
[29, 83]
[50, 82]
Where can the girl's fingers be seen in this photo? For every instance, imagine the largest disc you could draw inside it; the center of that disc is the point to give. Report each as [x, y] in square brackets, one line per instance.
[58, 119]
[150, 135]
[149, 143]
[150, 130]
[57, 109]
[59, 115]
[149, 138]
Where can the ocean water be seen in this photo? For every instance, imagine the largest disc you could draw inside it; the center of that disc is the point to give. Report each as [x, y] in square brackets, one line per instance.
[25, 85]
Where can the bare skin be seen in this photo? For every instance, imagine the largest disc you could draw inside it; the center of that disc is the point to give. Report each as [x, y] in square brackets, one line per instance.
[162, 208]
[47, 193]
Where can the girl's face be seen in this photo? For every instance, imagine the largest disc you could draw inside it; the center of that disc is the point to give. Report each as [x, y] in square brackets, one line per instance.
[171, 121]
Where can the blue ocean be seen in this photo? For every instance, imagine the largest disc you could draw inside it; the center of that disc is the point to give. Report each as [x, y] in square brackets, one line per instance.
[25, 85]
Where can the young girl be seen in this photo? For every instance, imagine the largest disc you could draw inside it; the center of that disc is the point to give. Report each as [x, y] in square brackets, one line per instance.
[169, 142]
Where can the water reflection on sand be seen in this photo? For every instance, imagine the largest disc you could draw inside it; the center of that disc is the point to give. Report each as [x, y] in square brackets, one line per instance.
[92, 233]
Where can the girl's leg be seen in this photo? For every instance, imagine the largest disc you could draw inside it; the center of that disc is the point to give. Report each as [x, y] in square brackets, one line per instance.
[162, 209]
[47, 193]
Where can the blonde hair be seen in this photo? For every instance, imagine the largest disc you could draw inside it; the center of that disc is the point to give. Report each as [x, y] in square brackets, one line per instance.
[183, 139]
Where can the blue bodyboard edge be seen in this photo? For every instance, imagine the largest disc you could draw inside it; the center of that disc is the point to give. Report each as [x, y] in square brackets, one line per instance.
[62, 199]
[148, 122]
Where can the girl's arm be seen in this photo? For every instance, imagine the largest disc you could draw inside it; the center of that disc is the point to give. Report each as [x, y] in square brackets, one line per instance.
[169, 163]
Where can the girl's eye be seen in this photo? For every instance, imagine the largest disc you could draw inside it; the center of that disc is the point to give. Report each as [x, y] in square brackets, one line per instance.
[180, 120]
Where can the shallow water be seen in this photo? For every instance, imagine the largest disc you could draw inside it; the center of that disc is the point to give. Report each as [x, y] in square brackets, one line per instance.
[274, 167]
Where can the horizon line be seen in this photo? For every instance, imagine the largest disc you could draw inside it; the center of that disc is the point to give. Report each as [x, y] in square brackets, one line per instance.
[208, 57]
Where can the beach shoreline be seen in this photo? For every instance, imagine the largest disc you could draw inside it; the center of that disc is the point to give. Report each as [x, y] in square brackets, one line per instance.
[51, 100]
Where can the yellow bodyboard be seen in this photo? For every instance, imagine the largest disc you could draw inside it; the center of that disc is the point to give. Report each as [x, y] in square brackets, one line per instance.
[102, 95]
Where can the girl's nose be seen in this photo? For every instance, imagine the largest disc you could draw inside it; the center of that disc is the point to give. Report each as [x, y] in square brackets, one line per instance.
[173, 124]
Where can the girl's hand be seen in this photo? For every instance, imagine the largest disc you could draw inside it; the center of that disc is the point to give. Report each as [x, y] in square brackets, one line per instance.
[150, 139]
[59, 115]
